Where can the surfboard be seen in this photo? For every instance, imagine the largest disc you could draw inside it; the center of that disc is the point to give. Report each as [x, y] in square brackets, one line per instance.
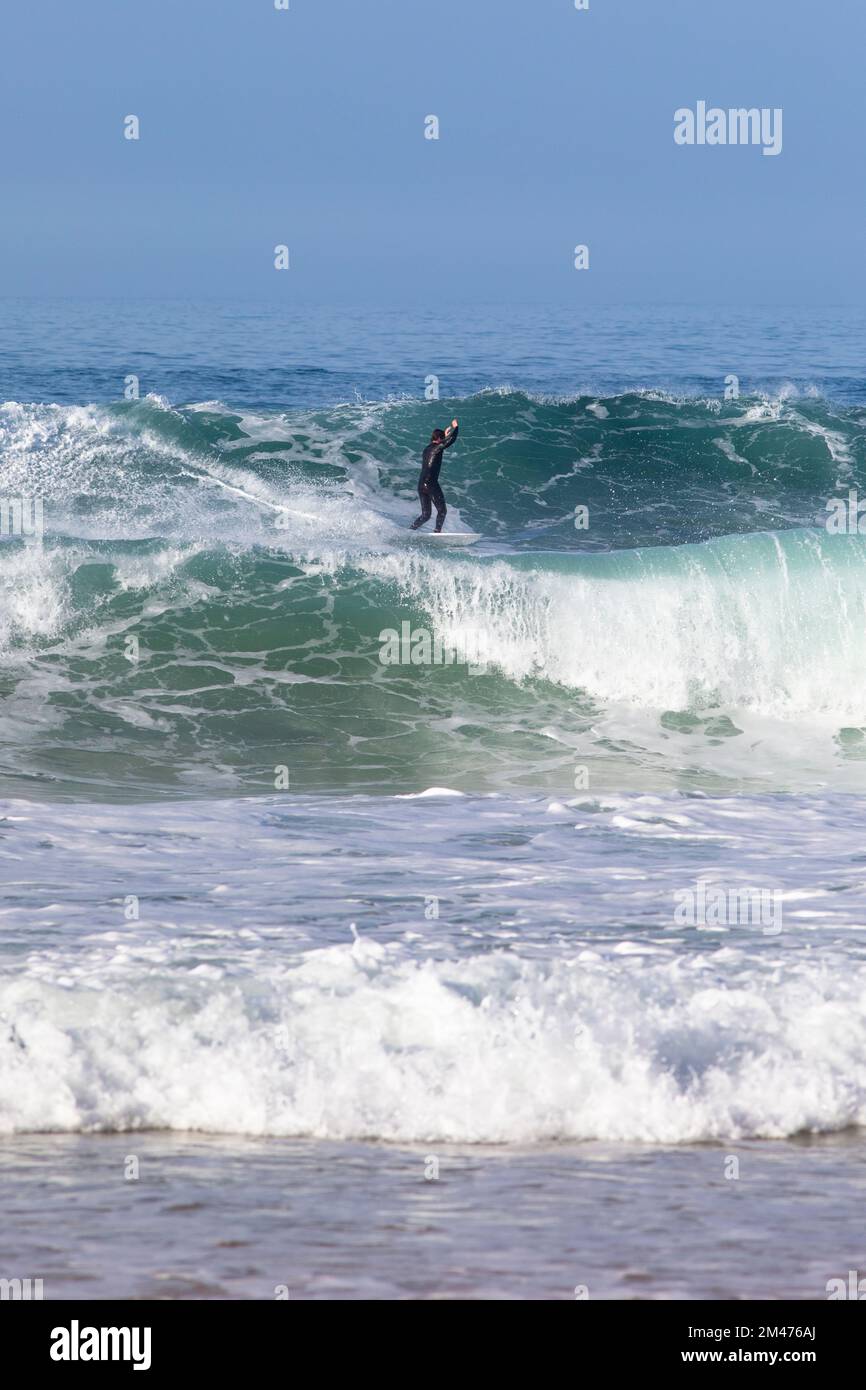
[450, 537]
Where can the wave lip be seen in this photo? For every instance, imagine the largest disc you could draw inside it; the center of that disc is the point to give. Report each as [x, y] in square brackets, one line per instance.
[769, 623]
[650, 468]
[703, 657]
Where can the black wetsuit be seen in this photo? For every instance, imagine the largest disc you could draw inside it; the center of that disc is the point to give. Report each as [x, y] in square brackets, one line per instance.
[429, 490]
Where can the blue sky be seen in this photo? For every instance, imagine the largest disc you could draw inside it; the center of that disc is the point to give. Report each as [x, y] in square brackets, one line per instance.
[306, 127]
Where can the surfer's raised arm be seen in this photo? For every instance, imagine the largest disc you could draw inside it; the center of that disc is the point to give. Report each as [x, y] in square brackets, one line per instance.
[451, 434]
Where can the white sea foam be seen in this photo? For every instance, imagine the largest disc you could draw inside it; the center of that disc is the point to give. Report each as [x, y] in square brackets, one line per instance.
[552, 997]
[770, 624]
[365, 1041]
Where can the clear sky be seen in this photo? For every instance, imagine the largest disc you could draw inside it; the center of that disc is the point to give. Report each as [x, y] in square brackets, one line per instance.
[306, 127]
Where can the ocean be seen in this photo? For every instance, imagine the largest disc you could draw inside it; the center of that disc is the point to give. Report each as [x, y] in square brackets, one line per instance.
[398, 921]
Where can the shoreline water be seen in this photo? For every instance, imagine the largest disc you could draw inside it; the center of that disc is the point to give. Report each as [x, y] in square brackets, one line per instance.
[218, 1218]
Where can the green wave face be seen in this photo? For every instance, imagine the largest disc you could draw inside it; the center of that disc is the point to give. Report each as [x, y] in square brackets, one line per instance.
[208, 611]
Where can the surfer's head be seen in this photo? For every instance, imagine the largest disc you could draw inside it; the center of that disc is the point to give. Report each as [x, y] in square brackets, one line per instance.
[436, 436]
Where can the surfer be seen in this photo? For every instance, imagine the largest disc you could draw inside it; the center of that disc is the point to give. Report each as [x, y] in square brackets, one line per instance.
[429, 490]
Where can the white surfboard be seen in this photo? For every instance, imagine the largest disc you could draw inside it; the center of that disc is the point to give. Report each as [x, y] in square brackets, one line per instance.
[451, 537]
